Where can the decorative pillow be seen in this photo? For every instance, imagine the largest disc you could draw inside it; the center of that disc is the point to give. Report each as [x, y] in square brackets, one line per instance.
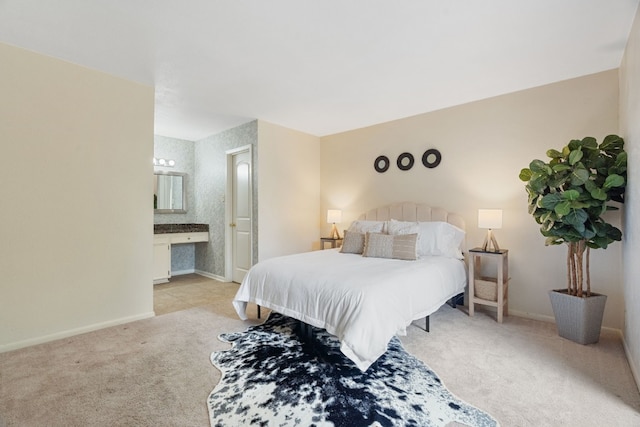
[363, 226]
[441, 239]
[402, 227]
[353, 242]
[401, 246]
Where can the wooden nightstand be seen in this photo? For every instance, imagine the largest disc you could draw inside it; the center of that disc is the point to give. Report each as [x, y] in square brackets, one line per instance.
[491, 291]
[335, 243]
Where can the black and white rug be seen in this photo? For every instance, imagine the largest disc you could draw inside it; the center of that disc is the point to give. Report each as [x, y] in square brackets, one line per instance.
[270, 377]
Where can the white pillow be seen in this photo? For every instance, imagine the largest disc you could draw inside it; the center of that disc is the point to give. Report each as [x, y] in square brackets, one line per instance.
[363, 226]
[440, 238]
[402, 227]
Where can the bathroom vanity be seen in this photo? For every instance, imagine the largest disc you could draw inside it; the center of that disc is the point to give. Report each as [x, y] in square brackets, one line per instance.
[166, 235]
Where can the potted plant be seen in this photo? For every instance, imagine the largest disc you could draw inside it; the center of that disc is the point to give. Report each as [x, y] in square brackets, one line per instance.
[568, 196]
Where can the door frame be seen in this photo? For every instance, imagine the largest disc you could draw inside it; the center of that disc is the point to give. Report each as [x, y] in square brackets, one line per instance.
[228, 213]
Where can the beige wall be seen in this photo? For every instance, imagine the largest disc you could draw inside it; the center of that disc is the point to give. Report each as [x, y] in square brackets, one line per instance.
[76, 228]
[288, 191]
[630, 129]
[484, 145]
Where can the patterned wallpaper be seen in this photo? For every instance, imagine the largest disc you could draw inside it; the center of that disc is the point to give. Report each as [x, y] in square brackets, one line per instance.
[183, 256]
[210, 189]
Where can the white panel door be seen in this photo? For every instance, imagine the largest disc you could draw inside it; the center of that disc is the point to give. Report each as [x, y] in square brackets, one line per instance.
[241, 216]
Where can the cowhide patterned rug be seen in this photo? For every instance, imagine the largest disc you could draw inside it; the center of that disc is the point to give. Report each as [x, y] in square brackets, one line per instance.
[271, 377]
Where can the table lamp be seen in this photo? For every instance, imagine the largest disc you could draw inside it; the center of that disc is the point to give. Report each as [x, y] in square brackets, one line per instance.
[333, 216]
[491, 219]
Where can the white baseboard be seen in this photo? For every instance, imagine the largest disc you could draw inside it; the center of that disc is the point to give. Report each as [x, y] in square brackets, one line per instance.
[532, 316]
[632, 365]
[181, 272]
[210, 275]
[72, 332]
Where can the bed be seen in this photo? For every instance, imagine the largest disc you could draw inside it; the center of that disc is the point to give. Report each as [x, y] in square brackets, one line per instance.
[366, 298]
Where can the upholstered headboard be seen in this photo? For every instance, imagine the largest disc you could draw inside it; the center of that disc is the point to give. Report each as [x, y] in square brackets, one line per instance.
[409, 211]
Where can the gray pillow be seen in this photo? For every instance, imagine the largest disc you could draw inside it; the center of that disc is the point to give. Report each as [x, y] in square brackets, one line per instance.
[353, 242]
[399, 246]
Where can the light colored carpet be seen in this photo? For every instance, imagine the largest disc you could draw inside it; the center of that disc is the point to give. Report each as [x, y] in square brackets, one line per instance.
[156, 372]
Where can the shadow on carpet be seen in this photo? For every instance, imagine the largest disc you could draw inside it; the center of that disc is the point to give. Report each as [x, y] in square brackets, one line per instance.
[271, 377]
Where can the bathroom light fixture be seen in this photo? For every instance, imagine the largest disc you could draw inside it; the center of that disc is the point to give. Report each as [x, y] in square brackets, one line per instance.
[167, 163]
[333, 216]
[491, 219]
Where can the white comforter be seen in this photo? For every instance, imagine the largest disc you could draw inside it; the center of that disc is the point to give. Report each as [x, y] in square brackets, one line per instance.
[363, 301]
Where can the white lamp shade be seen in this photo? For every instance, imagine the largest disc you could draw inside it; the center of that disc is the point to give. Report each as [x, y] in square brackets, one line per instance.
[334, 215]
[490, 218]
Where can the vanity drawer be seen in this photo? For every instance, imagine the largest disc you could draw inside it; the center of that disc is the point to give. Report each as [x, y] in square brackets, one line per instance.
[177, 238]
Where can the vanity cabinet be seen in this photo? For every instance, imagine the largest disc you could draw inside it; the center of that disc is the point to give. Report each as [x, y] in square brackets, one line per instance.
[162, 251]
[161, 259]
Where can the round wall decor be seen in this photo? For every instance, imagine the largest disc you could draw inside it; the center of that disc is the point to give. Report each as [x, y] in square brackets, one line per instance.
[437, 158]
[381, 164]
[405, 161]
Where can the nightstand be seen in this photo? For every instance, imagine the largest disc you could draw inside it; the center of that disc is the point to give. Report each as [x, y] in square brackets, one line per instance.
[486, 290]
[335, 243]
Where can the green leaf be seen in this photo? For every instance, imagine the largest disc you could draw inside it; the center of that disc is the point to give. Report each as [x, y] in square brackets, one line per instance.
[601, 242]
[553, 241]
[537, 166]
[540, 167]
[577, 218]
[598, 194]
[560, 167]
[554, 154]
[575, 156]
[562, 208]
[590, 143]
[549, 201]
[612, 144]
[621, 162]
[571, 195]
[538, 184]
[574, 144]
[548, 216]
[613, 233]
[579, 176]
[589, 232]
[525, 174]
[614, 180]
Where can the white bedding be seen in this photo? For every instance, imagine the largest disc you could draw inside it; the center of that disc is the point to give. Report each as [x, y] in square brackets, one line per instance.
[363, 301]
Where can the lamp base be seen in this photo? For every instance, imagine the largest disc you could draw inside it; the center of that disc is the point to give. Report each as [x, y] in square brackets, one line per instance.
[334, 232]
[490, 240]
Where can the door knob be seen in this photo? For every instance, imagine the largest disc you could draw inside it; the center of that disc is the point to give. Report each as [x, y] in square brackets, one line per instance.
[232, 224]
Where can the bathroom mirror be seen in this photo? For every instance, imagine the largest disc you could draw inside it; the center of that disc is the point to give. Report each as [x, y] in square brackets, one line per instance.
[169, 192]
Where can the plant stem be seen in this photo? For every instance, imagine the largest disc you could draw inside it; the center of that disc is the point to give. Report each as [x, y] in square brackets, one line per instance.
[579, 258]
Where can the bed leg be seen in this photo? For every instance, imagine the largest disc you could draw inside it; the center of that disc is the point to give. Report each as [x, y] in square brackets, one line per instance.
[457, 299]
[258, 312]
[305, 332]
[426, 324]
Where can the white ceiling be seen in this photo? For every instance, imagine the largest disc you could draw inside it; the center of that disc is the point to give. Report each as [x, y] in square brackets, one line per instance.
[322, 66]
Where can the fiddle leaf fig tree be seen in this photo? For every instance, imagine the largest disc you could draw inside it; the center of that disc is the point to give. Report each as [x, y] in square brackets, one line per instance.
[568, 196]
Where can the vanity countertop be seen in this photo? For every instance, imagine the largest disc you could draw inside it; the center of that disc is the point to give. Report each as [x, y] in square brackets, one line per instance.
[179, 228]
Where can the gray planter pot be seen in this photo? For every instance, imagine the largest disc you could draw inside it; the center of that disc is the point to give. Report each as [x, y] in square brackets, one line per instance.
[578, 319]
